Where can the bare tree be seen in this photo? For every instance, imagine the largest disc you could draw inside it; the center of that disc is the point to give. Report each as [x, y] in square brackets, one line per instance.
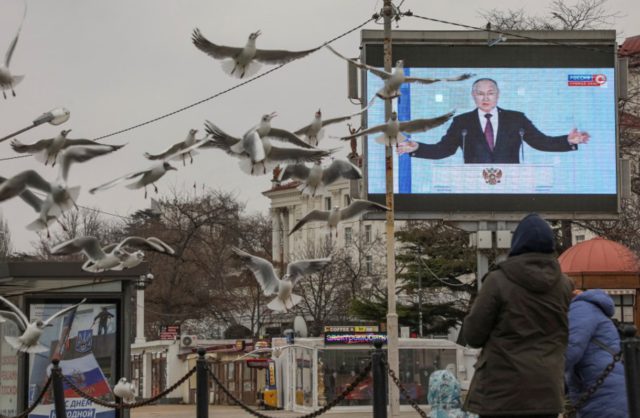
[581, 15]
[6, 247]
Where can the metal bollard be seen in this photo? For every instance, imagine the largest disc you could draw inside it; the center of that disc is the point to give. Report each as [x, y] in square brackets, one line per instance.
[58, 389]
[379, 382]
[631, 355]
[202, 386]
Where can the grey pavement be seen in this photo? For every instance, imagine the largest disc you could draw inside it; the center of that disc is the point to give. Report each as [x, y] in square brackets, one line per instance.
[219, 411]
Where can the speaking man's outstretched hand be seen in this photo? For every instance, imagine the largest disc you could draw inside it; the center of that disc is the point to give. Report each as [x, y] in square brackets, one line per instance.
[406, 147]
[578, 137]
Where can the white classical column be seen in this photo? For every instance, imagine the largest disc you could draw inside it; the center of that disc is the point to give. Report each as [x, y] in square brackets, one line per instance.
[143, 280]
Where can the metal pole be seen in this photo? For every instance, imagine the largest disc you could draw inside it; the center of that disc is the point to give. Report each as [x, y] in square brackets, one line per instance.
[392, 316]
[202, 386]
[379, 382]
[631, 353]
[58, 389]
[420, 299]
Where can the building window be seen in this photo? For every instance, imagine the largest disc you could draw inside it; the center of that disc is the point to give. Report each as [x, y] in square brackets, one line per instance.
[348, 235]
[327, 203]
[579, 238]
[367, 233]
[368, 266]
[345, 200]
[624, 308]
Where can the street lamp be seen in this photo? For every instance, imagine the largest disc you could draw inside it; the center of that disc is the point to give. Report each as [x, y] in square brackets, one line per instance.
[141, 284]
[56, 116]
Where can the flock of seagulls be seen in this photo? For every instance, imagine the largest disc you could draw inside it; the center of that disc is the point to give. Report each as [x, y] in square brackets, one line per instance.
[299, 159]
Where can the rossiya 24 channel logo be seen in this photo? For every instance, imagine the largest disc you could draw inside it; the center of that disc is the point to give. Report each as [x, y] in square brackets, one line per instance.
[587, 80]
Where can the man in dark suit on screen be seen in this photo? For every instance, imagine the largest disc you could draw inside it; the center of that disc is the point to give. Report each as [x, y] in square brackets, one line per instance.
[490, 134]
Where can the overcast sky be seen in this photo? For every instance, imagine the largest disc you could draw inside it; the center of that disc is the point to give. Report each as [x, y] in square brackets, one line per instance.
[118, 63]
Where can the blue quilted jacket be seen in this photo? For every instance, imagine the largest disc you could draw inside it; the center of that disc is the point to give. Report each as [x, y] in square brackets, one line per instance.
[589, 319]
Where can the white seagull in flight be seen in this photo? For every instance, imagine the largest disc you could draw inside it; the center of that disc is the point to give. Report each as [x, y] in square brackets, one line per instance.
[245, 61]
[7, 80]
[266, 276]
[31, 331]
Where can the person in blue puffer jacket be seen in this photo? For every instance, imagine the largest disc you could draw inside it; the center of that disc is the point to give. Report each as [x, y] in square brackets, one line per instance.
[593, 339]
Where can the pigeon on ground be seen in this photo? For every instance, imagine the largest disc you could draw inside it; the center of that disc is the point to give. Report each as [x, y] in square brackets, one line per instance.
[392, 130]
[245, 61]
[271, 285]
[314, 131]
[315, 179]
[257, 155]
[334, 216]
[101, 260]
[28, 341]
[125, 390]
[7, 80]
[189, 141]
[58, 199]
[393, 81]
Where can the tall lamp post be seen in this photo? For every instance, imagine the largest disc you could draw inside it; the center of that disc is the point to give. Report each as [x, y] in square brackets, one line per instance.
[141, 284]
[392, 316]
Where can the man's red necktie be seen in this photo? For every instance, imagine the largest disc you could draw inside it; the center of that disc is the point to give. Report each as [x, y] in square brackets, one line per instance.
[488, 131]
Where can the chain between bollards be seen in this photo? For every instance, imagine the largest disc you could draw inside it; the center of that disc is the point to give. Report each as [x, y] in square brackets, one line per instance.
[58, 389]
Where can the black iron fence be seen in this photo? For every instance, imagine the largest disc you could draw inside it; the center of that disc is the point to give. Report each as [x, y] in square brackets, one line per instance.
[378, 367]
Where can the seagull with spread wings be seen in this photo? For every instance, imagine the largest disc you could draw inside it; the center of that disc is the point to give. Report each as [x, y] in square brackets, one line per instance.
[110, 257]
[245, 61]
[393, 80]
[7, 80]
[172, 151]
[333, 217]
[130, 259]
[314, 131]
[392, 130]
[28, 342]
[314, 179]
[266, 276]
[257, 155]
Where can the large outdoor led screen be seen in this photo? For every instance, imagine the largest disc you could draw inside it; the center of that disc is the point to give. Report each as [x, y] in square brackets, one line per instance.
[540, 94]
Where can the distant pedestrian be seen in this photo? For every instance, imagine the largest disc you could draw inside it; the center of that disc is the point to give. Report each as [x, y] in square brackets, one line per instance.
[593, 342]
[519, 319]
[103, 320]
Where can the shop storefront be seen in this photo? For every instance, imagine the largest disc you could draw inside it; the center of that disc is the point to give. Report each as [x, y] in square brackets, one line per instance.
[312, 373]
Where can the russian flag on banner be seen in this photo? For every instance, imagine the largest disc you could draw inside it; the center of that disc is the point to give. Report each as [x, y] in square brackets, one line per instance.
[86, 374]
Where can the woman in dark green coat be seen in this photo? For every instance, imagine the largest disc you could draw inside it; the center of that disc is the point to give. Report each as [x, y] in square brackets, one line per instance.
[519, 319]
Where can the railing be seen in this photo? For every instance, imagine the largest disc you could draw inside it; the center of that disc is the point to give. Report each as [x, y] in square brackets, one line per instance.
[377, 366]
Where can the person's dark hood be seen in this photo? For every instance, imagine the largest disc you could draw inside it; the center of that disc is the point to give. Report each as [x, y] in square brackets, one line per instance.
[536, 272]
[533, 235]
[599, 298]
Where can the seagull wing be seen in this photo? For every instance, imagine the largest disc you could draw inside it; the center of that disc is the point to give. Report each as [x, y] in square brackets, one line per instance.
[186, 150]
[372, 130]
[426, 80]
[31, 148]
[340, 168]
[82, 153]
[295, 171]
[380, 73]
[302, 268]
[360, 206]
[286, 136]
[280, 56]
[326, 122]
[209, 48]
[23, 321]
[221, 139]
[29, 197]
[88, 245]
[74, 142]
[261, 269]
[139, 243]
[13, 317]
[314, 215]
[166, 248]
[297, 155]
[422, 125]
[18, 183]
[118, 180]
[12, 47]
[164, 154]
[63, 311]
